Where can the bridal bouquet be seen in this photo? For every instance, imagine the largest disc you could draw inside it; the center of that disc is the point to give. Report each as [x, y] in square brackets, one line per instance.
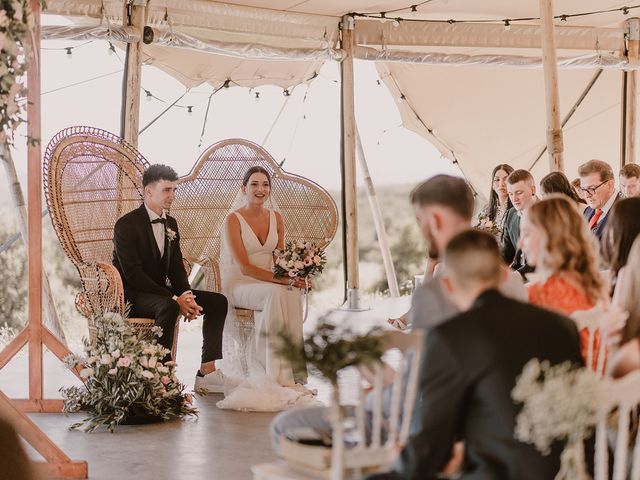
[561, 402]
[125, 379]
[299, 259]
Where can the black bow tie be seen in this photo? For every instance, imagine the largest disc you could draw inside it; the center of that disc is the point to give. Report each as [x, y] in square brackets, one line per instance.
[159, 220]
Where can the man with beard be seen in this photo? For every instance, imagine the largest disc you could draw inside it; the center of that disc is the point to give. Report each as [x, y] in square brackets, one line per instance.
[444, 207]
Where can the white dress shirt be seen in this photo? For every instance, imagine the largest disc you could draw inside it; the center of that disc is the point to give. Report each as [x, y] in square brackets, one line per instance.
[158, 228]
[607, 206]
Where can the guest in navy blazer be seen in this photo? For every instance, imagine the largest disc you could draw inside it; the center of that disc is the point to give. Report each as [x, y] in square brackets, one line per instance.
[598, 186]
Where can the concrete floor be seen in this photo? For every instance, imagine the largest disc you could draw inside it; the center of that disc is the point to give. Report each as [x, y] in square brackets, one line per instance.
[219, 444]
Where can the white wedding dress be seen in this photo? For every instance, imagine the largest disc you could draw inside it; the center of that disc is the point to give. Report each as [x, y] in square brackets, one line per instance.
[271, 384]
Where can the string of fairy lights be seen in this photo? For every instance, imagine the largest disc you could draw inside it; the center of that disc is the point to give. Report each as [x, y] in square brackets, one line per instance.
[507, 22]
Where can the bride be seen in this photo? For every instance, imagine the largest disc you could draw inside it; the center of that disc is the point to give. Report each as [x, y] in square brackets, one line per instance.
[251, 234]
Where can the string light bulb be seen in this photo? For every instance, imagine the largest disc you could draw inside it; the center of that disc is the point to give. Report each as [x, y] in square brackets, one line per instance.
[402, 97]
[112, 49]
[396, 22]
[286, 92]
[190, 110]
[625, 10]
[414, 8]
[507, 25]
[257, 96]
[69, 52]
[563, 18]
[148, 95]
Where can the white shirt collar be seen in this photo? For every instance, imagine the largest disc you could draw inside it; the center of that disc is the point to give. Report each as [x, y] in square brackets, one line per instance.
[153, 215]
[607, 206]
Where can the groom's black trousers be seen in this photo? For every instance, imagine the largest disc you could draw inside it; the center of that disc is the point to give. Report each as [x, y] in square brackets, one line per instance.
[165, 310]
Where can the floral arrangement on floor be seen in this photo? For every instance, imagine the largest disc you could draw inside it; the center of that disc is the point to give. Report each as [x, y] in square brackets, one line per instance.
[125, 379]
[329, 349]
[299, 259]
[16, 24]
[561, 402]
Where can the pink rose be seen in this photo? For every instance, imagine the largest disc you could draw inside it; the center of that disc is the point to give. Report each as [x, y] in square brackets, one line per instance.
[124, 361]
[165, 380]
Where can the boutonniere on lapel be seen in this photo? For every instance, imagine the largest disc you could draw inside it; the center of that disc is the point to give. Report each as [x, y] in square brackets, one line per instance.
[171, 235]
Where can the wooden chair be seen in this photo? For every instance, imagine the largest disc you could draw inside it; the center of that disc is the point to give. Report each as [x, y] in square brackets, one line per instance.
[207, 194]
[594, 321]
[623, 395]
[91, 179]
[370, 452]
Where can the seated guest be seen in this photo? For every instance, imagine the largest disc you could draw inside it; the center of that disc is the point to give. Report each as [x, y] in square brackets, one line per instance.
[557, 182]
[522, 192]
[146, 252]
[556, 241]
[621, 232]
[499, 204]
[444, 207]
[470, 367]
[627, 357]
[630, 180]
[598, 186]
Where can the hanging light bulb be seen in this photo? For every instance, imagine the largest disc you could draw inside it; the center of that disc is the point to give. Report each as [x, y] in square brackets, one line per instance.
[396, 22]
[190, 110]
[414, 8]
[69, 52]
[148, 95]
[507, 25]
[112, 49]
[257, 96]
[286, 92]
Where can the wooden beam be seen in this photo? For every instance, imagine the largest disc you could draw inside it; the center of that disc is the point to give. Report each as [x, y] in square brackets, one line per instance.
[483, 35]
[34, 203]
[631, 96]
[378, 221]
[38, 406]
[349, 163]
[554, 128]
[13, 348]
[136, 14]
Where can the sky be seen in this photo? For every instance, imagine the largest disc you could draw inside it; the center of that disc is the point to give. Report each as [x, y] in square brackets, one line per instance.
[85, 88]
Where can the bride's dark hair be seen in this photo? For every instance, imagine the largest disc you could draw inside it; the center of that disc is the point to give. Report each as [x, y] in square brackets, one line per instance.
[255, 169]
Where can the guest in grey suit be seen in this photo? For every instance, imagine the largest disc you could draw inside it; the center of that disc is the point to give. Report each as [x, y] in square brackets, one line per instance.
[599, 188]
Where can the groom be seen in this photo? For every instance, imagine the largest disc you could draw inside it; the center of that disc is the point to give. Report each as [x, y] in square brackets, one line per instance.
[147, 255]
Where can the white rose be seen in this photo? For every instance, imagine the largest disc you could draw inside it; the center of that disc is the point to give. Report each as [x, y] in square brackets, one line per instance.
[115, 354]
[113, 371]
[144, 361]
[152, 362]
[290, 264]
[86, 372]
[105, 359]
[298, 265]
[147, 374]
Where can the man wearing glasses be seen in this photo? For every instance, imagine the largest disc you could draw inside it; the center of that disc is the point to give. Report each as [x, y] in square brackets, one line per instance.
[599, 189]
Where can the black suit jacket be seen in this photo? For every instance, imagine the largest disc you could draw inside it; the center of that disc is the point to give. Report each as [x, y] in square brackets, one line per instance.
[602, 223]
[468, 372]
[137, 257]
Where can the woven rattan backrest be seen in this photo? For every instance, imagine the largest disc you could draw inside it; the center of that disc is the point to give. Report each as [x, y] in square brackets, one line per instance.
[208, 192]
[91, 178]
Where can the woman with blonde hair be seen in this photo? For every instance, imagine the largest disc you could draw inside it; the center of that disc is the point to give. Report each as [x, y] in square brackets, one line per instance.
[555, 239]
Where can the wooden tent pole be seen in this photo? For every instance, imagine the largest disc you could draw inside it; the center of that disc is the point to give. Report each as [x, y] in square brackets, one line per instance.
[378, 221]
[631, 93]
[552, 97]
[349, 165]
[135, 12]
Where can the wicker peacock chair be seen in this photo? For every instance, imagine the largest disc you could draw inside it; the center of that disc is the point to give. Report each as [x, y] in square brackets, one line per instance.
[207, 194]
[91, 179]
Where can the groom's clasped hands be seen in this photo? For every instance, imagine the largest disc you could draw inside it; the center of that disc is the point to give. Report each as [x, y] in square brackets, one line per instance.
[189, 308]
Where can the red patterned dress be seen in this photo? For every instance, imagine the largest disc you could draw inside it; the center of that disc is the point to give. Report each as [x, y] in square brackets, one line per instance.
[563, 297]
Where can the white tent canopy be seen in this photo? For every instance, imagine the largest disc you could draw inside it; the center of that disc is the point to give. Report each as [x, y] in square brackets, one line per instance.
[489, 109]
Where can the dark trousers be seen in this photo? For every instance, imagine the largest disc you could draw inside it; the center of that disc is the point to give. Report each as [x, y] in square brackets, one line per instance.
[165, 311]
